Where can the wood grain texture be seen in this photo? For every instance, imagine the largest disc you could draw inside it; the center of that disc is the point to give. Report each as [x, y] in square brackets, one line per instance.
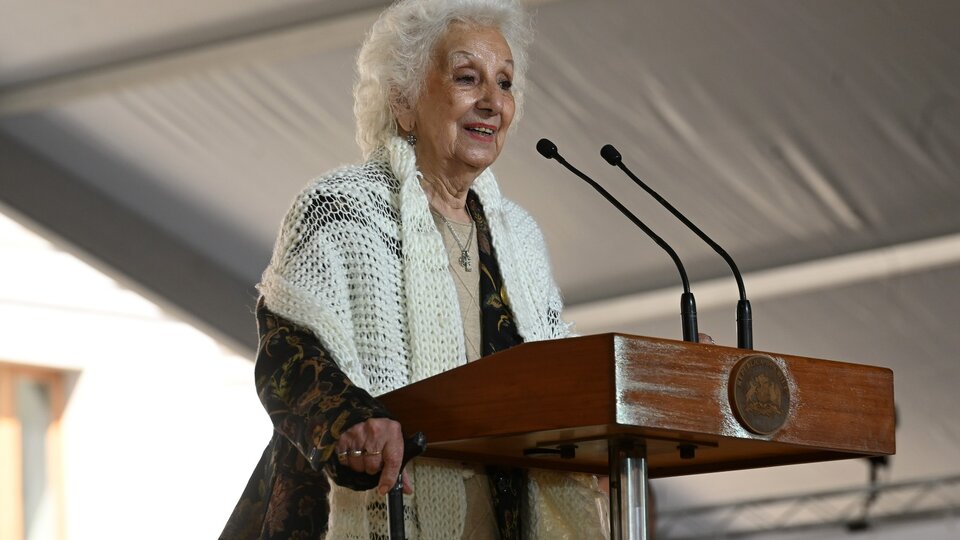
[590, 389]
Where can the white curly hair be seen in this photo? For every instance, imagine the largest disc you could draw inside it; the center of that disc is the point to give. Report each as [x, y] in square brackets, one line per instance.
[397, 51]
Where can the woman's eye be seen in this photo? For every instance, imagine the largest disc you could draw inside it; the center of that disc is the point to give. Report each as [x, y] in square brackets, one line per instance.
[506, 85]
[465, 79]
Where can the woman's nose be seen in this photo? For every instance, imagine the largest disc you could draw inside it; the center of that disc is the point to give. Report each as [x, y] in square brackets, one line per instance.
[491, 98]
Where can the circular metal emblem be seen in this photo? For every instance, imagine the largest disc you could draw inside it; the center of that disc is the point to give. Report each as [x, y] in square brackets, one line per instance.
[759, 394]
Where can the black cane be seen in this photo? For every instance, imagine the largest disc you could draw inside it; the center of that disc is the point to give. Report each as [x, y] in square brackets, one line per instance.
[415, 445]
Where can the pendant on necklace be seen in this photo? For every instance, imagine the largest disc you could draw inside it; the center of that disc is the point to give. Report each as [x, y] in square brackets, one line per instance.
[465, 261]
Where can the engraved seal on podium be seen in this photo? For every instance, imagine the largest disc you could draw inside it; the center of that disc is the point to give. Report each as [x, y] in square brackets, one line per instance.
[759, 394]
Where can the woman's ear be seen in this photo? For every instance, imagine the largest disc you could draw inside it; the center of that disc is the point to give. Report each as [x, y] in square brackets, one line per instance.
[403, 112]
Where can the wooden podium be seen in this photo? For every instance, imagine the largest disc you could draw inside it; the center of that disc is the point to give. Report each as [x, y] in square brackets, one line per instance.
[636, 407]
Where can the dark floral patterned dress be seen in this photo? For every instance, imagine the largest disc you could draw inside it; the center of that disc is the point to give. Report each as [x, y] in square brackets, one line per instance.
[312, 402]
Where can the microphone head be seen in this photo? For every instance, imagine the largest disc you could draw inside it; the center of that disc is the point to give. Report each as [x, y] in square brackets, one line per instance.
[609, 153]
[546, 148]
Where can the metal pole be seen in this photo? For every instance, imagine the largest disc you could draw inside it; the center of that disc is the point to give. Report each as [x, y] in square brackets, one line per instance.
[613, 462]
[413, 446]
[628, 491]
[395, 510]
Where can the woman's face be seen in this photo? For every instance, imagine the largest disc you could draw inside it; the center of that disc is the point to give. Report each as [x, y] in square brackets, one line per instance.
[466, 104]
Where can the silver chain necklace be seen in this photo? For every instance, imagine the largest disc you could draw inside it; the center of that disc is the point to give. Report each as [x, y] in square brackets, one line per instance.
[464, 259]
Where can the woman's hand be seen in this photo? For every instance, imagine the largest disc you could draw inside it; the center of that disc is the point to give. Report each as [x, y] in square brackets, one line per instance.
[375, 445]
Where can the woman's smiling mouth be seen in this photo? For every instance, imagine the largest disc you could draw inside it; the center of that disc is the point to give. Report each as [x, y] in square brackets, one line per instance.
[481, 131]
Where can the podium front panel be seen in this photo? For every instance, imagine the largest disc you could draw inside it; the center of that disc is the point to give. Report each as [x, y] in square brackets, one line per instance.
[522, 406]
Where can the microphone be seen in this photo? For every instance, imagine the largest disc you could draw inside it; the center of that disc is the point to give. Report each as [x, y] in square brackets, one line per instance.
[688, 305]
[744, 312]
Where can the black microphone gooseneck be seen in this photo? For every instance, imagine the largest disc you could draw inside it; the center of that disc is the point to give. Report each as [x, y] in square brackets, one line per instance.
[688, 305]
[744, 314]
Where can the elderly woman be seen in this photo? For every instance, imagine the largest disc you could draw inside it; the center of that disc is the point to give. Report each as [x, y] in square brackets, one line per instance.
[397, 269]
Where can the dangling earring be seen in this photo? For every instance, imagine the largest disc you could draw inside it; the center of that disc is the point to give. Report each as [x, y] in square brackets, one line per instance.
[411, 139]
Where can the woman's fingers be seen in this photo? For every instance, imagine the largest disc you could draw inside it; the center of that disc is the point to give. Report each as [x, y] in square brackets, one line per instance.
[367, 461]
[355, 460]
[375, 445]
[392, 460]
[350, 445]
[372, 461]
[407, 485]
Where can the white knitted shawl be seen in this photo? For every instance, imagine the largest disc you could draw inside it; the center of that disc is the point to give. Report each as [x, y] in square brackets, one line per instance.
[359, 262]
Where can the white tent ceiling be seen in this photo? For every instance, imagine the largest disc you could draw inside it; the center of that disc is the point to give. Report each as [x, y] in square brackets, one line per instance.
[166, 140]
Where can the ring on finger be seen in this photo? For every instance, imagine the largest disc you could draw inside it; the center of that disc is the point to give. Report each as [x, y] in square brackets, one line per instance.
[356, 453]
[371, 453]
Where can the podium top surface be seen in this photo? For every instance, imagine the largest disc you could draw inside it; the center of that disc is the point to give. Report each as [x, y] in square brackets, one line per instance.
[730, 408]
